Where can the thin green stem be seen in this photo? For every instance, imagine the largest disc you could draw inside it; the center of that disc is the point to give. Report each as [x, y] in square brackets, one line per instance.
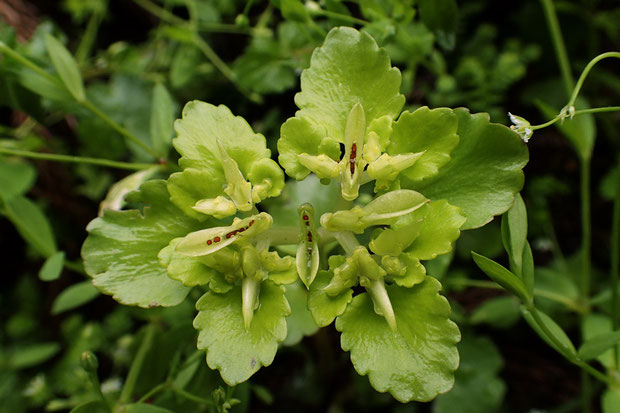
[78, 159]
[75, 266]
[136, 366]
[130, 136]
[160, 12]
[347, 240]
[558, 44]
[586, 229]
[90, 33]
[159, 388]
[615, 265]
[558, 346]
[585, 72]
[26, 62]
[336, 15]
[562, 115]
[223, 67]
[192, 397]
[558, 298]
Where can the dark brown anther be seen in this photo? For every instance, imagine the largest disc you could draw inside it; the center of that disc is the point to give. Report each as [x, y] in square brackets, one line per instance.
[305, 217]
[209, 242]
[216, 239]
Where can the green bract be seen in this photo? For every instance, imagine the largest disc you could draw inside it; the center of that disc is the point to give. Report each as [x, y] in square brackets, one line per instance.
[220, 151]
[434, 172]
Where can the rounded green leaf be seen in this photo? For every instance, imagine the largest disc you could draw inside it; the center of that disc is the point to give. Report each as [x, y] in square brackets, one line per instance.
[198, 132]
[418, 361]
[298, 136]
[348, 68]
[192, 185]
[236, 352]
[202, 124]
[325, 308]
[440, 227]
[484, 172]
[431, 131]
[121, 250]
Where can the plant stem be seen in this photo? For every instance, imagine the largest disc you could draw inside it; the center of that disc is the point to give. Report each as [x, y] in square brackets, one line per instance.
[586, 229]
[160, 12]
[333, 14]
[558, 298]
[77, 159]
[96, 111]
[562, 115]
[192, 397]
[558, 346]
[89, 35]
[347, 240]
[26, 62]
[136, 366]
[558, 44]
[223, 68]
[585, 72]
[615, 261]
[160, 387]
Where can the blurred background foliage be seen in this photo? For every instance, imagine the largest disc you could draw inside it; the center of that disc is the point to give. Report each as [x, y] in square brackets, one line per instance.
[141, 60]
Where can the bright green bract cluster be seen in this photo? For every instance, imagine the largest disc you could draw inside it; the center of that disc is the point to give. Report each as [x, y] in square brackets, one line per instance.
[430, 173]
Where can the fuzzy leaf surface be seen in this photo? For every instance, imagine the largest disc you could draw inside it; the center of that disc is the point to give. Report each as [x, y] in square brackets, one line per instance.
[236, 352]
[121, 250]
[416, 363]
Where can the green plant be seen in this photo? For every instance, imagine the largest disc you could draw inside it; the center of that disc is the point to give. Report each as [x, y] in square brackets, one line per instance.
[398, 330]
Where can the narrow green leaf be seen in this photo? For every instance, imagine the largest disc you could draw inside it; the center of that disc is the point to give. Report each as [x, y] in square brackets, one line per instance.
[596, 324]
[32, 224]
[28, 356]
[66, 67]
[15, 178]
[598, 344]
[162, 119]
[51, 88]
[527, 271]
[514, 234]
[52, 267]
[566, 346]
[502, 276]
[74, 296]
